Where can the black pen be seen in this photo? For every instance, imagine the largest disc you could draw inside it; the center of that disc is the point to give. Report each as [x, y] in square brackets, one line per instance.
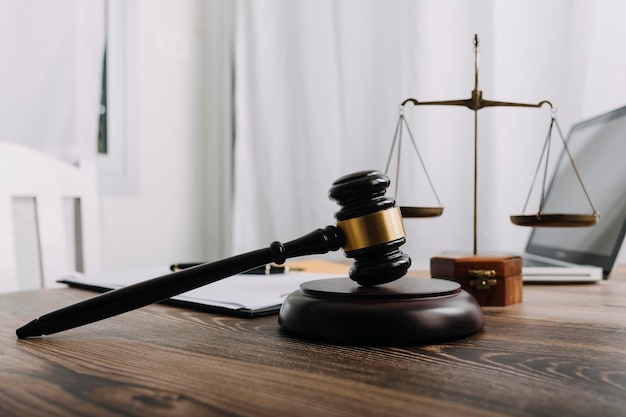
[261, 270]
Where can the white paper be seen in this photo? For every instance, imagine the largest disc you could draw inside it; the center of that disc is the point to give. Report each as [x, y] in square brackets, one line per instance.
[244, 291]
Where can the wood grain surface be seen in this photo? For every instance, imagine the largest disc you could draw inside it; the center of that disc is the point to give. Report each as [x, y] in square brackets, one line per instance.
[562, 352]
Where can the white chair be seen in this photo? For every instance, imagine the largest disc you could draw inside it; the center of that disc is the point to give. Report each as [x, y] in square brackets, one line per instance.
[49, 218]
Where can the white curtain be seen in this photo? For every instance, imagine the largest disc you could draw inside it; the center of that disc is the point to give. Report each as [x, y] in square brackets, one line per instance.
[318, 87]
[50, 74]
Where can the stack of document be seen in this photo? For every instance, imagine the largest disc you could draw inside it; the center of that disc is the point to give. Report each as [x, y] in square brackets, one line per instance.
[245, 295]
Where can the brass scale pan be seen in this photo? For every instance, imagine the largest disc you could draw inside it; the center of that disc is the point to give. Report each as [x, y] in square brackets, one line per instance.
[533, 220]
[555, 220]
[408, 212]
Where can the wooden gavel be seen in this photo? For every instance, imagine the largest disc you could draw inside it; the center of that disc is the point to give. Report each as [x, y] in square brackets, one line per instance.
[369, 229]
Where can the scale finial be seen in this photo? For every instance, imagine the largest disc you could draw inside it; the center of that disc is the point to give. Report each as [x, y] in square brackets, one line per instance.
[476, 65]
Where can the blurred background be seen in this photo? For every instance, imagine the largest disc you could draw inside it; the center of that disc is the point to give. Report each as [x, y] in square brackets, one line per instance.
[218, 126]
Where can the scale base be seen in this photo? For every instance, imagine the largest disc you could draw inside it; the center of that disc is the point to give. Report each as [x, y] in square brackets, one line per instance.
[409, 310]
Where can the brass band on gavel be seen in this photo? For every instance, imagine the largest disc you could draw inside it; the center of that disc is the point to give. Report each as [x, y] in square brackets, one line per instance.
[372, 229]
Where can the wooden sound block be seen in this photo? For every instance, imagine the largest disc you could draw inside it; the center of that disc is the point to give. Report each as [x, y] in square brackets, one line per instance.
[408, 310]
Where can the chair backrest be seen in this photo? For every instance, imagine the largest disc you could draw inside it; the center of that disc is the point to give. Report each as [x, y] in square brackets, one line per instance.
[49, 218]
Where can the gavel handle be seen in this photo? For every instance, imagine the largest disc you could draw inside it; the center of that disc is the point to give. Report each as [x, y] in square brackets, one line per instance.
[161, 288]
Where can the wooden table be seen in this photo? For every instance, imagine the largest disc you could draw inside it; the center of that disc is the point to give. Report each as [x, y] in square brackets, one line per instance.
[562, 352]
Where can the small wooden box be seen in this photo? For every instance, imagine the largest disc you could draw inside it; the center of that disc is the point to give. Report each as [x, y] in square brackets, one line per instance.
[492, 280]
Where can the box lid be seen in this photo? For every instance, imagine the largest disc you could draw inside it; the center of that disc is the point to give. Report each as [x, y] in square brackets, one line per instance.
[462, 265]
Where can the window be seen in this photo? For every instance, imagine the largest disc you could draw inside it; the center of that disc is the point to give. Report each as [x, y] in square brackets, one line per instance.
[117, 141]
[103, 145]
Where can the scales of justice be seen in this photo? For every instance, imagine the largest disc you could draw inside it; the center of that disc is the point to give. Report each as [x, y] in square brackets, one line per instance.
[476, 103]
[478, 271]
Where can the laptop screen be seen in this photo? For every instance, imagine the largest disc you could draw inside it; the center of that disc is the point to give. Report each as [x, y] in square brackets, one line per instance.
[598, 147]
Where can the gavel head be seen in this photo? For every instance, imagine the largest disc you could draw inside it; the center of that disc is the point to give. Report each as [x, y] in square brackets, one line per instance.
[372, 228]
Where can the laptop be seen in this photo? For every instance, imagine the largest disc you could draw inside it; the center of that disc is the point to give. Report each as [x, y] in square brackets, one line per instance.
[584, 254]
